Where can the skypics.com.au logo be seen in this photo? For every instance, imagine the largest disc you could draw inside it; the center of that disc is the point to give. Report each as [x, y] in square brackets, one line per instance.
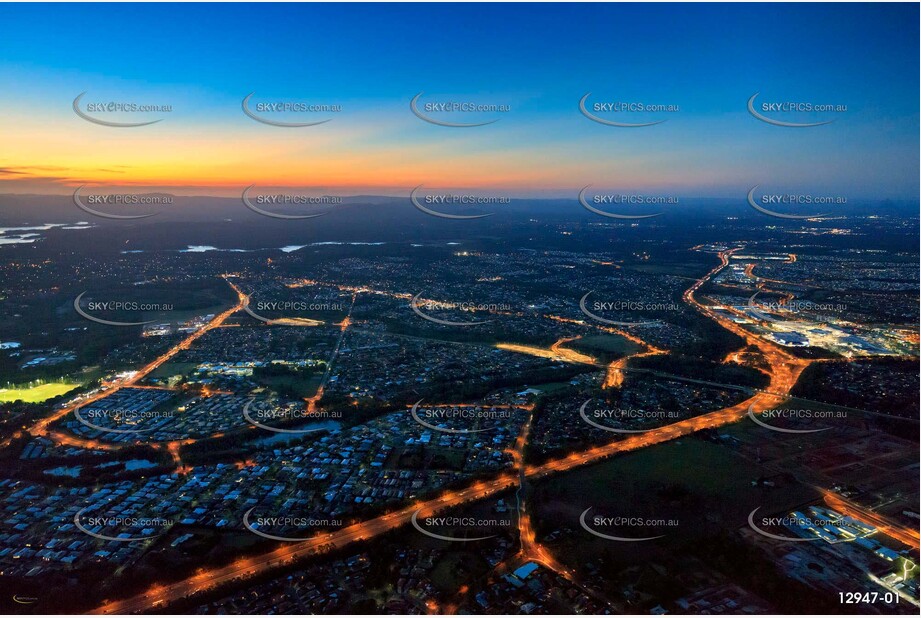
[793, 520]
[115, 113]
[262, 204]
[461, 527]
[446, 418]
[614, 113]
[434, 204]
[624, 306]
[614, 528]
[119, 420]
[421, 306]
[288, 528]
[768, 202]
[771, 112]
[121, 529]
[794, 414]
[451, 109]
[602, 203]
[269, 417]
[793, 307]
[290, 308]
[117, 306]
[600, 417]
[92, 203]
[272, 113]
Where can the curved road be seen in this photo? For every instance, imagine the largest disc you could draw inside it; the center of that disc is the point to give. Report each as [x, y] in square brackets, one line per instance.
[784, 371]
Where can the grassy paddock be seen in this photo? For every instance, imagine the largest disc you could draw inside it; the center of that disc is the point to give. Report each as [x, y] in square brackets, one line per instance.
[36, 394]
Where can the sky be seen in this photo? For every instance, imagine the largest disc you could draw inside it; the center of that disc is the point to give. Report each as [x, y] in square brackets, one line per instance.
[705, 61]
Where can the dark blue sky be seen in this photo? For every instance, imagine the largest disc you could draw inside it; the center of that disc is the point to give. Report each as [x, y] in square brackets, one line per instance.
[540, 58]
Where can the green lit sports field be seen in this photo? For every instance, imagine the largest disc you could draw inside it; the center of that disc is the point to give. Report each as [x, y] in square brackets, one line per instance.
[36, 394]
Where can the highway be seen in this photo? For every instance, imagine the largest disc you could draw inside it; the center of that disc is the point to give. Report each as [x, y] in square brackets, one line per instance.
[41, 428]
[162, 595]
[784, 371]
[903, 534]
[374, 527]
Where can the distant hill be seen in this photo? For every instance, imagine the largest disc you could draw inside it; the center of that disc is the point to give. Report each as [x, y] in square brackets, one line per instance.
[373, 211]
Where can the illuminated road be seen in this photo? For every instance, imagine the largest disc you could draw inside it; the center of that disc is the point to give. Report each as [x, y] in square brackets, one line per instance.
[555, 352]
[903, 534]
[614, 377]
[41, 428]
[343, 327]
[784, 371]
[166, 594]
[161, 595]
[784, 368]
[531, 550]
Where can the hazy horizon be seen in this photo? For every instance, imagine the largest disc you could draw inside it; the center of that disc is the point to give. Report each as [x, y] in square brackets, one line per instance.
[197, 65]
